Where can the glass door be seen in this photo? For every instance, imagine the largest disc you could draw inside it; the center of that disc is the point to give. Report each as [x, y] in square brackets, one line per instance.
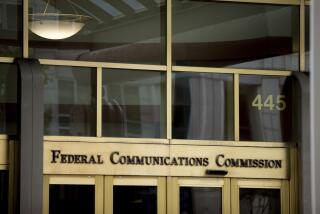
[198, 195]
[4, 176]
[130, 194]
[258, 196]
[73, 194]
[160, 195]
[4, 190]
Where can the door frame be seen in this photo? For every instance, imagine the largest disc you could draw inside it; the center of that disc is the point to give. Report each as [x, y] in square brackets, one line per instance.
[111, 181]
[283, 185]
[97, 181]
[167, 190]
[174, 184]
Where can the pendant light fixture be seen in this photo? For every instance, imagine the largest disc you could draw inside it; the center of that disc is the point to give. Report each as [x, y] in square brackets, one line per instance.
[57, 26]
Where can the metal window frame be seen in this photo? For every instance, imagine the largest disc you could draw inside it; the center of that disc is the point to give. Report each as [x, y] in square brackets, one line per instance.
[174, 184]
[283, 185]
[96, 181]
[111, 181]
[169, 68]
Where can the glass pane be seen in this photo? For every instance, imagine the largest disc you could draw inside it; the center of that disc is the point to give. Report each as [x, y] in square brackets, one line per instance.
[66, 199]
[307, 36]
[4, 183]
[260, 201]
[200, 200]
[203, 106]
[8, 99]
[11, 28]
[127, 31]
[224, 34]
[134, 103]
[70, 101]
[265, 108]
[134, 199]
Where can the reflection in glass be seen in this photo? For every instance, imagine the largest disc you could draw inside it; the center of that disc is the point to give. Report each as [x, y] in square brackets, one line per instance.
[220, 34]
[65, 199]
[260, 201]
[118, 31]
[203, 106]
[133, 103]
[265, 108]
[69, 97]
[134, 199]
[307, 37]
[4, 183]
[8, 98]
[200, 200]
[11, 28]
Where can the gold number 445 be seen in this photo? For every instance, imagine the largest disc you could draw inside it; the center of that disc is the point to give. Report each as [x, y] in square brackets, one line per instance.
[271, 102]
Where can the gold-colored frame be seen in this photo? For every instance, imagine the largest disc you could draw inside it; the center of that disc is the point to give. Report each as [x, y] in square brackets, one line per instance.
[111, 181]
[96, 181]
[168, 69]
[236, 76]
[6, 60]
[283, 185]
[175, 183]
[4, 154]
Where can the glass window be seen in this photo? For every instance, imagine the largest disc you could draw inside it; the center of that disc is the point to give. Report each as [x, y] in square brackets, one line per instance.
[4, 183]
[200, 200]
[65, 199]
[8, 98]
[134, 103]
[69, 101]
[127, 31]
[11, 28]
[241, 35]
[203, 106]
[266, 201]
[134, 199]
[265, 108]
[307, 36]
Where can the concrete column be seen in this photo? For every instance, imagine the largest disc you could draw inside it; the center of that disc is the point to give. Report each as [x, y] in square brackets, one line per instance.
[30, 131]
[315, 107]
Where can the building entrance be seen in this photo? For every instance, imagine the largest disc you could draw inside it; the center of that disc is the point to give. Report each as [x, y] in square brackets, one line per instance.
[174, 195]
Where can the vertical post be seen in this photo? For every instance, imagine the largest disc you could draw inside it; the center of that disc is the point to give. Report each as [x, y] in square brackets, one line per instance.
[236, 85]
[99, 102]
[25, 47]
[302, 36]
[301, 136]
[315, 107]
[30, 130]
[169, 70]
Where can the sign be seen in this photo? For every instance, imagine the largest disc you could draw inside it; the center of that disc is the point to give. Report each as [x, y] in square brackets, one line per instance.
[163, 160]
[117, 158]
[58, 157]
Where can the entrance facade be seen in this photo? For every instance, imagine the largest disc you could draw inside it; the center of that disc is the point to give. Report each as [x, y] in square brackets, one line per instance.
[161, 106]
[123, 194]
[118, 177]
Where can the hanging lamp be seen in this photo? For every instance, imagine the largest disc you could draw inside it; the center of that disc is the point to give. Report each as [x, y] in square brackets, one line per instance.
[56, 26]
